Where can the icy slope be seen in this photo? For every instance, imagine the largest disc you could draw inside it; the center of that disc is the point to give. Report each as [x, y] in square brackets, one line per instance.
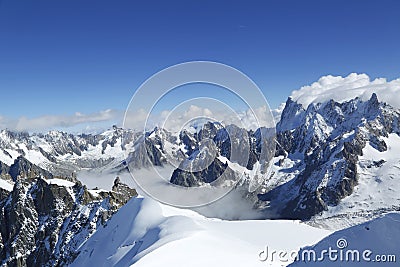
[6, 185]
[380, 238]
[146, 233]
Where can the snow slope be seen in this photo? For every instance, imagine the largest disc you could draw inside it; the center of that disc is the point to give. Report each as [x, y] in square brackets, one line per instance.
[59, 182]
[380, 237]
[146, 233]
[8, 186]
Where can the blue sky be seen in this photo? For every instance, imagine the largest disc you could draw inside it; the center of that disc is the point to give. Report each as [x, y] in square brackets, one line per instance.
[62, 57]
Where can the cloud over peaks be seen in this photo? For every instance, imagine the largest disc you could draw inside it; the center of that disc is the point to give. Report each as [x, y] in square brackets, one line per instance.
[47, 122]
[345, 88]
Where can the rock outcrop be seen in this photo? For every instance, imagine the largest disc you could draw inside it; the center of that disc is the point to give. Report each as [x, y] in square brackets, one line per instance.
[326, 140]
[44, 221]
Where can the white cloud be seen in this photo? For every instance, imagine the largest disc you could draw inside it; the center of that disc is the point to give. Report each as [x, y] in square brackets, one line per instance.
[135, 119]
[249, 119]
[186, 116]
[171, 120]
[262, 117]
[345, 88]
[176, 119]
[47, 122]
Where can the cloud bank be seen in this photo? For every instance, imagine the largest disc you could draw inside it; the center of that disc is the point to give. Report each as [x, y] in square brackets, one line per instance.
[49, 122]
[174, 121]
[326, 88]
[102, 120]
[345, 88]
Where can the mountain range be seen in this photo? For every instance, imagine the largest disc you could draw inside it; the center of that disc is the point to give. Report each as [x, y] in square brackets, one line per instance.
[331, 165]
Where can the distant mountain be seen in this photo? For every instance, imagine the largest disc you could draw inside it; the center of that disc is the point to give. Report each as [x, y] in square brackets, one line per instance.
[208, 154]
[330, 161]
[334, 161]
[63, 154]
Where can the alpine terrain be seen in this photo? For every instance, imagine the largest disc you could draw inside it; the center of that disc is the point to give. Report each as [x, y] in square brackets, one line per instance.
[327, 166]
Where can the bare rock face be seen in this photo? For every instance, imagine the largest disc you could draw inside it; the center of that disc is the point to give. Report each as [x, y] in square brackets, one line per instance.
[43, 223]
[201, 164]
[22, 169]
[328, 138]
[4, 171]
[208, 175]
[120, 193]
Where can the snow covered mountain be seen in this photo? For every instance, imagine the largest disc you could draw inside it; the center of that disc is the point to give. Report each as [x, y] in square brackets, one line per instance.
[329, 152]
[334, 165]
[63, 154]
[147, 233]
[44, 221]
[325, 153]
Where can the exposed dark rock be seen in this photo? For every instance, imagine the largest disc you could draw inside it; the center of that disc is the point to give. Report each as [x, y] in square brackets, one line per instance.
[189, 141]
[378, 144]
[22, 169]
[18, 222]
[202, 166]
[215, 170]
[146, 154]
[4, 171]
[43, 224]
[330, 137]
[208, 131]
[120, 193]
[63, 143]
[48, 155]
[377, 164]
[3, 194]
[117, 181]
[117, 135]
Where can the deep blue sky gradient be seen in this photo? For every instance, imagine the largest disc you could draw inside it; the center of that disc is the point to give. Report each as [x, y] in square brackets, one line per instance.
[61, 57]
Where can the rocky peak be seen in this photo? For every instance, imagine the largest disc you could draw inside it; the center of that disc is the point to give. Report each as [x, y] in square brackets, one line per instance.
[328, 140]
[214, 171]
[120, 193]
[189, 140]
[63, 143]
[22, 168]
[291, 117]
[44, 221]
[208, 130]
[373, 101]
[4, 171]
